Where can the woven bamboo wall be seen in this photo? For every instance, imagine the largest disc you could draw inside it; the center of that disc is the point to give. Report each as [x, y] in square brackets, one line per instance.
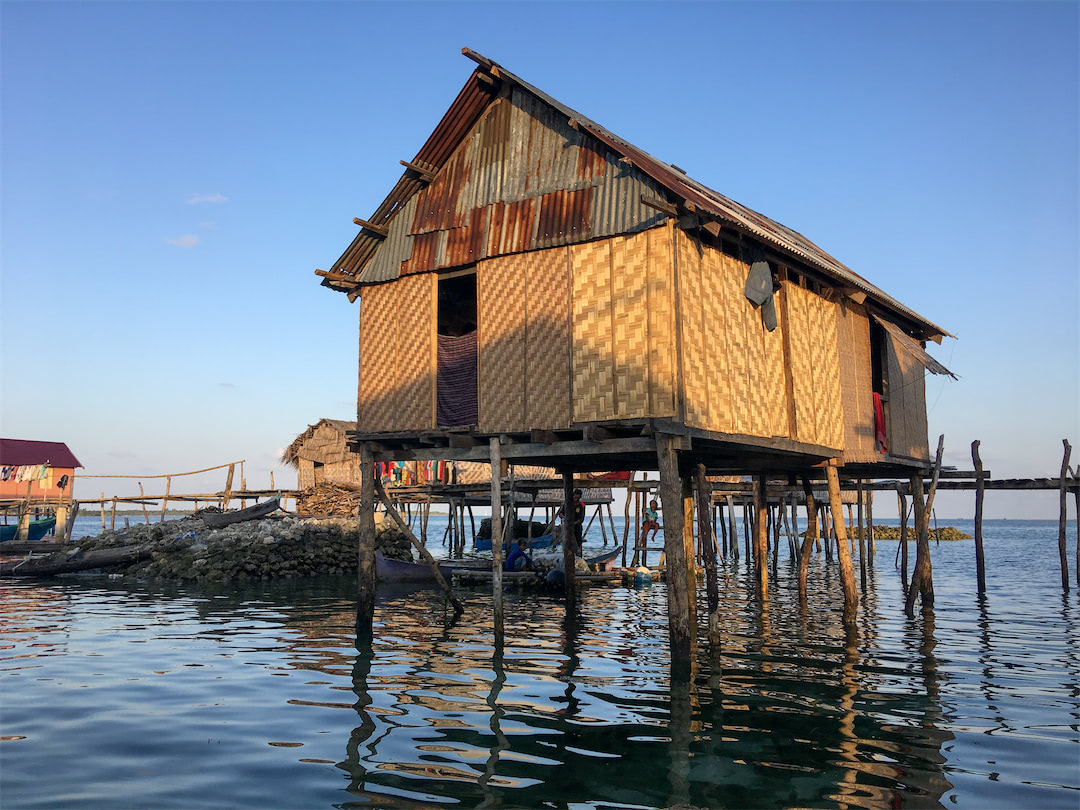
[856, 383]
[815, 367]
[397, 356]
[501, 374]
[623, 327]
[524, 373]
[734, 371]
[907, 404]
[305, 474]
[547, 304]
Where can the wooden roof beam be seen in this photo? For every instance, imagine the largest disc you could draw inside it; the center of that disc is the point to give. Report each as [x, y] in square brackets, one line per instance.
[425, 175]
[371, 226]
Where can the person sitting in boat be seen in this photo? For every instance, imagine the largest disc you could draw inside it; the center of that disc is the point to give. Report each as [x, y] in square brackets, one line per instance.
[517, 559]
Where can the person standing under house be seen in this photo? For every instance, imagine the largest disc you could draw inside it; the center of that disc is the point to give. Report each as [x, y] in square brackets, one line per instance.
[579, 520]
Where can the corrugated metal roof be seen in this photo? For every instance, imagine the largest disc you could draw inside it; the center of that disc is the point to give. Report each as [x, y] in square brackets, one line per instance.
[542, 175]
[20, 452]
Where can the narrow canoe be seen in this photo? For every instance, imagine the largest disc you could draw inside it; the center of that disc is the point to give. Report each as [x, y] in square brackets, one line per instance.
[37, 530]
[217, 520]
[388, 569]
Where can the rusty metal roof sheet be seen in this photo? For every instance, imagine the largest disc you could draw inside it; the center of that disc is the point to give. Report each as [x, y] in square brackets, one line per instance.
[562, 179]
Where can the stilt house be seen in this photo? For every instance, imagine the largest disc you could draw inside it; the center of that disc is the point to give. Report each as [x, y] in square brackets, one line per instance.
[535, 277]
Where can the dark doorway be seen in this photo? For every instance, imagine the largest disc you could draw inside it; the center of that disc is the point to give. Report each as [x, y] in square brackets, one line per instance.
[456, 385]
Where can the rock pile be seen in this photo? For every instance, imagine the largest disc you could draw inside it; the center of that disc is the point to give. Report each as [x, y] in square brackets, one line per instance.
[281, 546]
[893, 533]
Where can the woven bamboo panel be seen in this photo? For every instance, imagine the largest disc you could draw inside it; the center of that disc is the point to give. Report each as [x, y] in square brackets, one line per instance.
[827, 377]
[774, 387]
[714, 284]
[692, 335]
[629, 290]
[547, 360]
[907, 404]
[414, 373]
[802, 377]
[739, 312]
[853, 347]
[378, 358]
[592, 379]
[660, 303]
[501, 373]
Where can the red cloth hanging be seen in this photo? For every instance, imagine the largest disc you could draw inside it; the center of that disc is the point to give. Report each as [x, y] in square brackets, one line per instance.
[879, 425]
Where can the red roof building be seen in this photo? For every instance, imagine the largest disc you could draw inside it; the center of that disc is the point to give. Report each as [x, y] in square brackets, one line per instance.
[37, 469]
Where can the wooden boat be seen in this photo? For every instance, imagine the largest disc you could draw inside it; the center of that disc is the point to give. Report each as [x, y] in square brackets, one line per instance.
[605, 561]
[217, 520]
[388, 569]
[544, 541]
[37, 530]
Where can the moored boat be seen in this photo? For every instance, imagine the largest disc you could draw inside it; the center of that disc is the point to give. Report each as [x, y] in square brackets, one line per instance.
[543, 541]
[387, 569]
[217, 520]
[36, 530]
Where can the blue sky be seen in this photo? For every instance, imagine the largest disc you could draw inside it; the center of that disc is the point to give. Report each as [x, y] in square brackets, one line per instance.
[173, 174]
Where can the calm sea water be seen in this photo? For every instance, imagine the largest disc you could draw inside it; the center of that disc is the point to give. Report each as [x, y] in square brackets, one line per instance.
[115, 694]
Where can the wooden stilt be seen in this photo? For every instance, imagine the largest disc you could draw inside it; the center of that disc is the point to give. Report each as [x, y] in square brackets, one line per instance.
[689, 544]
[903, 536]
[568, 539]
[797, 552]
[761, 563]
[870, 523]
[721, 520]
[847, 574]
[732, 534]
[165, 500]
[1063, 516]
[365, 570]
[679, 627]
[747, 525]
[626, 524]
[495, 458]
[980, 487]
[922, 548]
[708, 543]
[811, 535]
[861, 495]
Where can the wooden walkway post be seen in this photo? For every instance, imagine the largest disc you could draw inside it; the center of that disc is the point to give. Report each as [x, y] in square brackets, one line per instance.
[810, 538]
[847, 574]
[761, 540]
[568, 539]
[862, 538]
[921, 581]
[732, 533]
[365, 570]
[903, 550]
[679, 629]
[495, 450]
[980, 562]
[1063, 515]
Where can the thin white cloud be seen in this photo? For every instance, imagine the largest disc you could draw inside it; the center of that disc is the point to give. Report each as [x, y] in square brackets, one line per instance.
[207, 224]
[188, 240]
[195, 199]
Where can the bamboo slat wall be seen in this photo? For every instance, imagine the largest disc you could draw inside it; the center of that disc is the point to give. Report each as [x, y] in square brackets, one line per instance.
[907, 404]
[623, 327]
[524, 371]
[815, 367]
[856, 383]
[397, 358]
[734, 372]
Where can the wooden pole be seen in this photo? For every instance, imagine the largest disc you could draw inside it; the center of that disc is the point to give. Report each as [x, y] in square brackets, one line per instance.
[922, 551]
[568, 540]
[709, 547]
[112, 523]
[611, 525]
[903, 535]
[870, 523]
[810, 538]
[679, 628]
[1063, 516]
[847, 574]
[228, 488]
[365, 570]
[165, 500]
[626, 523]
[145, 514]
[688, 549]
[495, 450]
[862, 539]
[732, 533]
[761, 563]
[425, 555]
[103, 511]
[795, 526]
[722, 525]
[980, 561]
